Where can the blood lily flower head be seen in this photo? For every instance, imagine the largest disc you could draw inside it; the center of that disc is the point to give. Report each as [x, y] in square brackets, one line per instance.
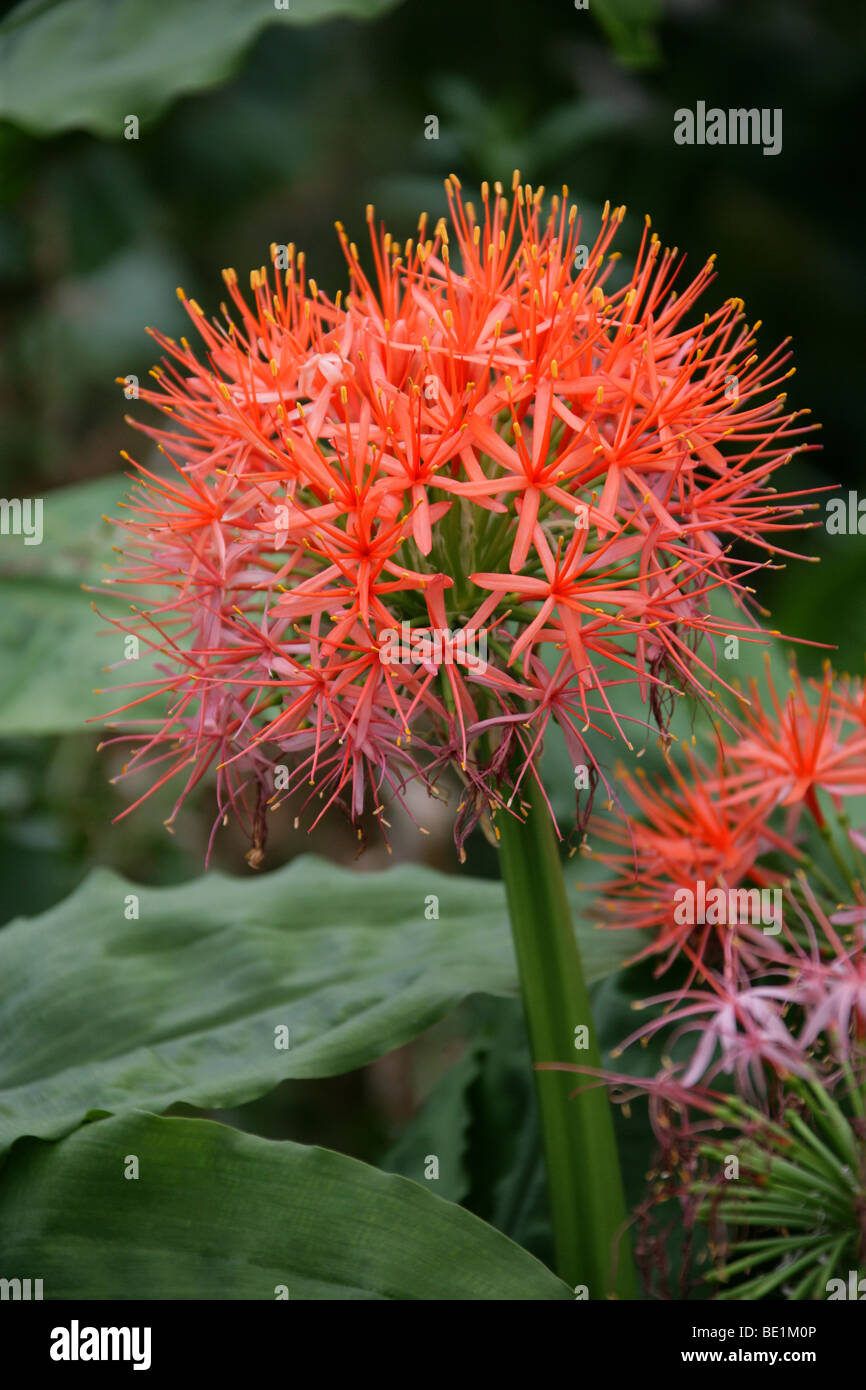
[497, 430]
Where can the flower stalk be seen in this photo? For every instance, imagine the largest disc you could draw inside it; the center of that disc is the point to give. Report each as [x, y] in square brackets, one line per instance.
[587, 1204]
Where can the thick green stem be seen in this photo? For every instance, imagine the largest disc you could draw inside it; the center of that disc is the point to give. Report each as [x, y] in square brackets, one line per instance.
[587, 1205]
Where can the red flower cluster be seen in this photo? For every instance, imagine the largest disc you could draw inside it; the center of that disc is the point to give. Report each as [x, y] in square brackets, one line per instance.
[716, 824]
[741, 831]
[499, 436]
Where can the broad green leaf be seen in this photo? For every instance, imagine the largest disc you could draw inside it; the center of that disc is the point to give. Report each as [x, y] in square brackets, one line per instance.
[76, 540]
[101, 1012]
[482, 1119]
[50, 642]
[216, 1214]
[53, 646]
[68, 64]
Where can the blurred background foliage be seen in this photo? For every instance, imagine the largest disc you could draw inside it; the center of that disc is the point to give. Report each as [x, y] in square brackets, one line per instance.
[258, 125]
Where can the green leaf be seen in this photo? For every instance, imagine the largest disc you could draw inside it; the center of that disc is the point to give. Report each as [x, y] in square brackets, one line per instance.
[504, 1157]
[182, 1004]
[481, 1120]
[482, 1116]
[216, 1214]
[53, 647]
[440, 1128]
[69, 64]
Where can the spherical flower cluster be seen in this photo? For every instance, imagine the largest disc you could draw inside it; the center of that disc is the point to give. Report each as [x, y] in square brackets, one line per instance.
[402, 530]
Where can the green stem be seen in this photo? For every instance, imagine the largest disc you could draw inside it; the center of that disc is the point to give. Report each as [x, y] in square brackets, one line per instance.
[587, 1205]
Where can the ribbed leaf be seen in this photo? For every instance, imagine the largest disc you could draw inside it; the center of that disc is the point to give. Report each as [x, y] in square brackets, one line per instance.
[108, 1012]
[53, 647]
[216, 1214]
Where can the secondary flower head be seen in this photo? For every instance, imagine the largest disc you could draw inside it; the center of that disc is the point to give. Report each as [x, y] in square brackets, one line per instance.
[705, 840]
[498, 440]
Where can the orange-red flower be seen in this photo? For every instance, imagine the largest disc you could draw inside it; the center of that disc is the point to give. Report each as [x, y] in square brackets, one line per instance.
[483, 435]
[740, 824]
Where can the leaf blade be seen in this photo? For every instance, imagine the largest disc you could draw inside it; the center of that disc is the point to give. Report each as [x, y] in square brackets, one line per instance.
[217, 1214]
[189, 996]
[80, 64]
